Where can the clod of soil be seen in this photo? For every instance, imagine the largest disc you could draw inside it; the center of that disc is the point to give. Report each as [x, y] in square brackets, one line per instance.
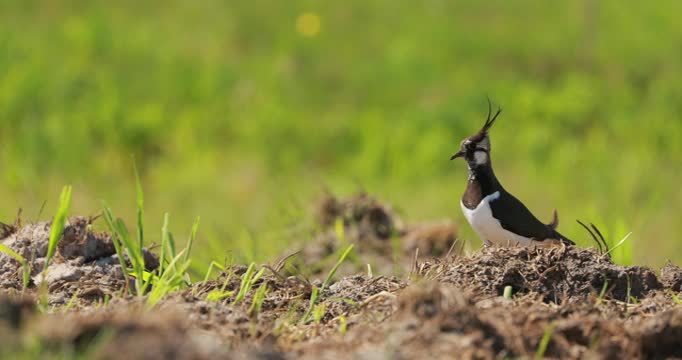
[557, 273]
[433, 239]
[85, 264]
[380, 236]
[431, 313]
[129, 331]
[372, 217]
[78, 240]
[14, 310]
[661, 335]
[7, 230]
[671, 277]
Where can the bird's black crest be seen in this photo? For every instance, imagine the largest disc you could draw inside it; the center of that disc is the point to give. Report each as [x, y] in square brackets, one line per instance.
[490, 120]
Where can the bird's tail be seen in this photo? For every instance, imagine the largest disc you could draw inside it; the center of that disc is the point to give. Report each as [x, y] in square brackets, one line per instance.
[555, 220]
[564, 240]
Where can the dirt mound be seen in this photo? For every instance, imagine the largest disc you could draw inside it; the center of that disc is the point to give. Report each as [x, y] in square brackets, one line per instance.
[556, 273]
[660, 336]
[671, 276]
[380, 236]
[437, 320]
[128, 330]
[381, 320]
[85, 264]
[372, 218]
[280, 319]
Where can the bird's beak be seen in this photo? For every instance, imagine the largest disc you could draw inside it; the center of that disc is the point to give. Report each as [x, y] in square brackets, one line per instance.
[457, 155]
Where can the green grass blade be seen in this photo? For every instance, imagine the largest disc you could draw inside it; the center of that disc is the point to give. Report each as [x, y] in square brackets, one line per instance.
[619, 244]
[134, 255]
[318, 313]
[192, 236]
[166, 285]
[25, 275]
[115, 239]
[342, 258]
[508, 292]
[165, 235]
[343, 324]
[316, 292]
[147, 281]
[212, 265]
[314, 295]
[170, 272]
[544, 342]
[140, 208]
[58, 223]
[25, 267]
[12, 253]
[217, 295]
[339, 230]
[246, 280]
[168, 281]
[258, 298]
[170, 245]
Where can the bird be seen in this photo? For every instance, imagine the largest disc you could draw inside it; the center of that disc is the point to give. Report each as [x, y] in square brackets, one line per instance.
[497, 216]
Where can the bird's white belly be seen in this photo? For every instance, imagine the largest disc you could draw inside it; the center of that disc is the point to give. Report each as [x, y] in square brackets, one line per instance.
[488, 228]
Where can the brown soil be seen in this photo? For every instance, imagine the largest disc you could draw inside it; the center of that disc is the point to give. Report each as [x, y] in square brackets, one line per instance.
[671, 277]
[557, 273]
[445, 305]
[381, 238]
[85, 268]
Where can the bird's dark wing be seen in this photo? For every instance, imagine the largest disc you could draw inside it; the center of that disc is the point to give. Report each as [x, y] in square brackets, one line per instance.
[515, 217]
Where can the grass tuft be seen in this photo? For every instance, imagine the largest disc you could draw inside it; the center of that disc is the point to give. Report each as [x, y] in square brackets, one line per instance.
[258, 298]
[123, 241]
[315, 294]
[248, 280]
[172, 273]
[170, 280]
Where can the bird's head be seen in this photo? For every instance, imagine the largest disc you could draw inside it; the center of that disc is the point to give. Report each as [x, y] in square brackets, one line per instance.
[475, 149]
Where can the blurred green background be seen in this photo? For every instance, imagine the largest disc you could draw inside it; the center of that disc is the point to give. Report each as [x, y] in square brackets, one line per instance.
[242, 112]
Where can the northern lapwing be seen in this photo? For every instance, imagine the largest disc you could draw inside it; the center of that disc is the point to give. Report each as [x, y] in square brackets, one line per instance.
[496, 216]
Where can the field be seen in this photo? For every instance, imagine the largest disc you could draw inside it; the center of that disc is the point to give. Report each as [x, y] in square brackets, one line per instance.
[253, 128]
